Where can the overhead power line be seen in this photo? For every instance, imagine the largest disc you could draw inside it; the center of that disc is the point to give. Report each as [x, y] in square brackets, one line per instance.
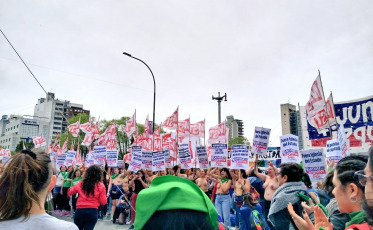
[23, 62]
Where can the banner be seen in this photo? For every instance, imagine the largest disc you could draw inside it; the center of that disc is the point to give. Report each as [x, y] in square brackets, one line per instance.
[112, 158]
[240, 157]
[273, 155]
[70, 157]
[219, 154]
[74, 128]
[135, 164]
[218, 134]
[60, 159]
[146, 160]
[341, 135]
[131, 125]
[333, 151]
[203, 160]
[89, 162]
[290, 149]
[120, 164]
[314, 164]
[167, 158]
[356, 117]
[171, 121]
[158, 161]
[99, 153]
[261, 140]
[184, 156]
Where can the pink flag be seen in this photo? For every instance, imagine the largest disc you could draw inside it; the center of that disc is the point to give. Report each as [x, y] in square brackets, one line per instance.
[72, 147]
[43, 142]
[157, 132]
[95, 131]
[131, 125]
[50, 147]
[74, 128]
[146, 127]
[56, 144]
[330, 110]
[171, 121]
[315, 107]
[184, 128]
[65, 145]
[86, 127]
[36, 141]
[111, 140]
[218, 134]
[87, 141]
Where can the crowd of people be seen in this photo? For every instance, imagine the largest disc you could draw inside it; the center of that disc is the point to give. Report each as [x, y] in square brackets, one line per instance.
[217, 198]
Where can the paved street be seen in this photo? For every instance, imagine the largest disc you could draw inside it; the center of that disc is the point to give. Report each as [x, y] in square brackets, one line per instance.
[105, 224]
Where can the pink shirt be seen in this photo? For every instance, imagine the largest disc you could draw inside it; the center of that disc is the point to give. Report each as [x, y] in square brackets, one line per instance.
[91, 201]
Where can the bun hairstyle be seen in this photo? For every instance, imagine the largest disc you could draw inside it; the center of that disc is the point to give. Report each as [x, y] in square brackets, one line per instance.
[26, 174]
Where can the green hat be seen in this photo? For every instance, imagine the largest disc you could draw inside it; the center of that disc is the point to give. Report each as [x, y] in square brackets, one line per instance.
[171, 192]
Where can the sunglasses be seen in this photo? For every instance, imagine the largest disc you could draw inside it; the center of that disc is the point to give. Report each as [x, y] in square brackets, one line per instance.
[362, 177]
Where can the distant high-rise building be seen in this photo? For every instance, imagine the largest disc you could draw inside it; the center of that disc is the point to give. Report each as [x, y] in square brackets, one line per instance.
[291, 122]
[236, 128]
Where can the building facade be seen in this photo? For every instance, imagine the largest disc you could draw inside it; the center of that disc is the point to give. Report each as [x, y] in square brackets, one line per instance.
[236, 127]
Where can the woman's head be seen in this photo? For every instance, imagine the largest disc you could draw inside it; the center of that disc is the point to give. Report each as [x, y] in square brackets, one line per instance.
[368, 180]
[115, 170]
[63, 168]
[270, 171]
[140, 174]
[224, 173]
[348, 192]
[70, 169]
[77, 173]
[28, 177]
[327, 183]
[243, 173]
[92, 176]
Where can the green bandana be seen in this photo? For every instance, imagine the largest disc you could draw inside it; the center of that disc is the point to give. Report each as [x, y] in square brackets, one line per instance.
[357, 217]
[114, 176]
[223, 180]
[168, 193]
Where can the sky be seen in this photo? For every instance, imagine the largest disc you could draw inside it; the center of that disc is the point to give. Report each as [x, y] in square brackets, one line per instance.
[260, 53]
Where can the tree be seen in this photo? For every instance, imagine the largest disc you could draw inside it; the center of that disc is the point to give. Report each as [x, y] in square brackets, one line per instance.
[28, 145]
[238, 141]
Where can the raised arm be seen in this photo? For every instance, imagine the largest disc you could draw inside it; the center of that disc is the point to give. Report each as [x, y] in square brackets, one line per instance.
[212, 174]
[257, 173]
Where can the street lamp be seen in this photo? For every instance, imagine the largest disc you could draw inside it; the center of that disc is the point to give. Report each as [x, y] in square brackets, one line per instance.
[219, 99]
[129, 55]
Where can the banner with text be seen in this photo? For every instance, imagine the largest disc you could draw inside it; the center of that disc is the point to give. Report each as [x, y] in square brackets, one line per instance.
[314, 164]
[167, 158]
[289, 149]
[146, 160]
[219, 154]
[203, 160]
[184, 156]
[99, 153]
[261, 140]
[240, 157]
[112, 158]
[70, 157]
[333, 151]
[158, 161]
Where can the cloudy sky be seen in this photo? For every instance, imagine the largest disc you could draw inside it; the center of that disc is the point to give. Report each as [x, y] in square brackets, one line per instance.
[261, 53]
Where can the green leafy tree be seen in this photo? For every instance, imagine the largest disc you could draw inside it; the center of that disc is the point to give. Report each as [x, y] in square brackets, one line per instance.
[238, 141]
[28, 145]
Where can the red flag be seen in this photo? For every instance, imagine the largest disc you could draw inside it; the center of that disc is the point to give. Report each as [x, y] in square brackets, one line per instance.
[218, 134]
[171, 121]
[43, 142]
[56, 144]
[36, 141]
[146, 127]
[72, 147]
[86, 127]
[65, 145]
[95, 131]
[74, 128]
[87, 141]
[157, 132]
[316, 113]
[330, 110]
[131, 125]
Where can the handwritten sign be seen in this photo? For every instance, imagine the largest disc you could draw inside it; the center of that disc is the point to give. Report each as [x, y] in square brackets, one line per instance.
[240, 157]
[261, 140]
[219, 154]
[290, 149]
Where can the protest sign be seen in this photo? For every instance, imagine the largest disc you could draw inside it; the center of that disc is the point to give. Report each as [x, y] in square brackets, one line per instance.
[120, 164]
[203, 160]
[341, 135]
[314, 164]
[89, 162]
[135, 164]
[61, 159]
[112, 158]
[219, 154]
[261, 139]
[273, 155]
[51, 156]
[167, 158]
[240, 157]
[146, 159]
[70, 157]
[290, 149]
[184, 156]
[100, 154]
[333, 151]
[158, 161]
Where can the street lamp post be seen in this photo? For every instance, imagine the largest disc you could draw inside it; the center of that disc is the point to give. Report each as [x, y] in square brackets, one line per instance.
[219, 99]
[129, 55]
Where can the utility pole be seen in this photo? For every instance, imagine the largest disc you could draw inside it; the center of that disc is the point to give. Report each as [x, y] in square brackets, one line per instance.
[219, 99]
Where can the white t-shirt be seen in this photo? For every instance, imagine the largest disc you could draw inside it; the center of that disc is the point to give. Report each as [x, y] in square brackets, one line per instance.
[41, 221]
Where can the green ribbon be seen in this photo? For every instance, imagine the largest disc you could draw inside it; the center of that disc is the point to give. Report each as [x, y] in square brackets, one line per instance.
[114, 176]
[223, 180]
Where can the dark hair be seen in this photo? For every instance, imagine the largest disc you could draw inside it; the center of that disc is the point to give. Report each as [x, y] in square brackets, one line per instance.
[293, 171]
[74, 174]
[178, 219]
[248, 199]
[252, 174]
[306, 180]
[26, 174]
[143, 175]
[92, 176]
[243, 173]
[175, 168]
[347, 167]
[327, 184]
[227, 172]
[367, 205]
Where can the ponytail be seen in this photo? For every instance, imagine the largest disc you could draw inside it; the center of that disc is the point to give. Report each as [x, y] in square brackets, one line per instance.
[26, 174]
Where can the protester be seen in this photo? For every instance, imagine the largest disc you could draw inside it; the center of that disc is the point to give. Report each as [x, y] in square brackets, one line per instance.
[349, 193]
[67, 179]
[202, 182]
[115, 189]
[92, 194]
[289, 178]
[138, 183]
[257, 184]
[366, 179]
[102, 210]
[223, 198]
[180, 205]
[241, 186]
[57, 196]
[312, 192]
[270, 184]
[246, 216]
[24, 186]
[77, 176]
[1, 169]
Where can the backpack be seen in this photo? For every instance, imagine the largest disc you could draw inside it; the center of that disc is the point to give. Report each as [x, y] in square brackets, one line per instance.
[257, 222]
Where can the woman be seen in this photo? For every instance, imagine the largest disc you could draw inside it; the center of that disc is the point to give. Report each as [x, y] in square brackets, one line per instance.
[366, 179]
[223, 198]
[348, 192]
[246, 210]
[29, 177]
[241, 186]
[115, 189]
[138, 183]
[202, 182]
[67, 179]
[92, 194]
[270, 185]
[77, 176]
[57, 196]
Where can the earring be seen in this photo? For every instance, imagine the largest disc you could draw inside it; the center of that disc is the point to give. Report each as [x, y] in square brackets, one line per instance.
[354, 199]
